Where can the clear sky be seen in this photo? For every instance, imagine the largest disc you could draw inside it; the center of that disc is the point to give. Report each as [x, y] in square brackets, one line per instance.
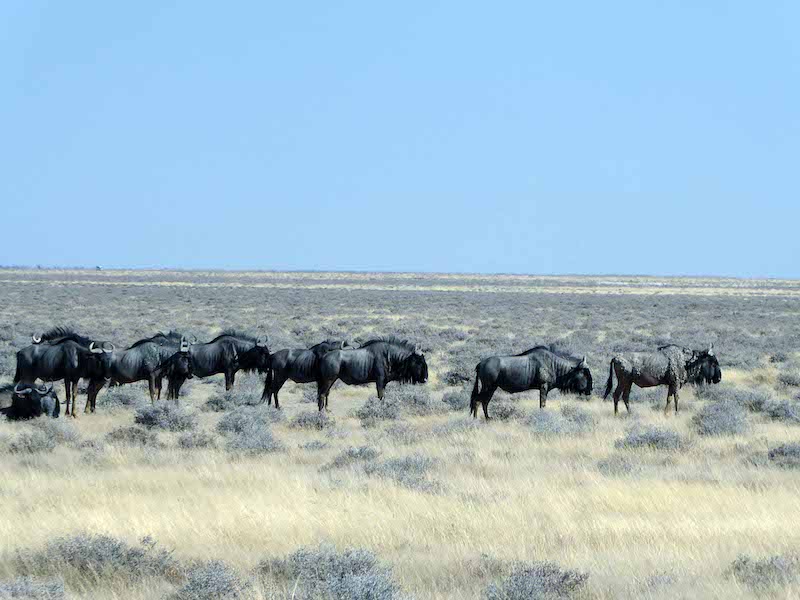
[527, 137]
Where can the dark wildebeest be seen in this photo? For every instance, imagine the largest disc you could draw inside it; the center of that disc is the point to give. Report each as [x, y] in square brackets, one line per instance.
[381, 360]
[536, 369]
[29, 402]
[63, 354]
[299, 365]
[227, 353]
[671, 366]
[150, 359]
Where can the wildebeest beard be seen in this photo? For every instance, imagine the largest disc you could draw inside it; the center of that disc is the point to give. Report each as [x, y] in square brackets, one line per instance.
[412, 369]
[573, 383]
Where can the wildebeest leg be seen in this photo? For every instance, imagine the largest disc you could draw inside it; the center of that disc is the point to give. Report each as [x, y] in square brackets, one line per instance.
[618, 393]
[228, 380]
[323, 387]
[675, 399]
[277, 384]
[670, 392]
[380, 385]
[151, 384]
[626, 394]
[67, 396]
[159, 383]
[542, 397]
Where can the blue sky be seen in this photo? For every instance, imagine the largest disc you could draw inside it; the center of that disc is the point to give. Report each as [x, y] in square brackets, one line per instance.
[614, 137]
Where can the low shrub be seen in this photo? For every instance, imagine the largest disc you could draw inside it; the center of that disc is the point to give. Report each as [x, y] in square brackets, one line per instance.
[133, 436]
[401, 433]
[414, 399]
[721, 418]
[62, 431]
[762, 574]
[312, 419]
[457, 400]
[651, 437]
[783, 411]
[376, 410]
[197, 439]
[248, 418]
[31, 442]
[573, 420]
[457, 426]
[121, 396]
[168, 416]
[353, 455]
[213, 580]
[786, 456]
[256, 440]
[538, 580]
[29, 588]
[325, 572]
[409, 471]
[789, 378]
[97, 557]
[241, 395]
[314, 445]
[506, 410]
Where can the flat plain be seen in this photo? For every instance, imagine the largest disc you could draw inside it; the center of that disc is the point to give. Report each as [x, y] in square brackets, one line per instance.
[699, 504]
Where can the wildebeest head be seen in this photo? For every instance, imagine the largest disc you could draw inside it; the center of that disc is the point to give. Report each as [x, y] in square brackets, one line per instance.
[704, 368]
[179, 366]
[416, 368]
[257, 357]
[579, 380]
[100, 359]
[28, 402]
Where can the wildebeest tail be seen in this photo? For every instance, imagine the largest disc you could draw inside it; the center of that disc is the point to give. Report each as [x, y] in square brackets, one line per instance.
[610, 382]
[473, 401]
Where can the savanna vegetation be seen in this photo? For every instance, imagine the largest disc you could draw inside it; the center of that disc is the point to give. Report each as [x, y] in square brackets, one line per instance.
[220, 496]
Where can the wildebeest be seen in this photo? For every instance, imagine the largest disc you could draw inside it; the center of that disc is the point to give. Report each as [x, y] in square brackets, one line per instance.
[63, 354]
[299, 365]
[228, 353]
[539, 368]
[700, 372]
[29, 401]
[670, 365]
[380, 360]
[150, 359]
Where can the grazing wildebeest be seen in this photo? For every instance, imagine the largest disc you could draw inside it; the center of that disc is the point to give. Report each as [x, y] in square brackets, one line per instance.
[63, 354]
[381, 360]
[670, 365]
[536, 369]
[229, 352]
[29, 402]
[299, 365]
[150, 359]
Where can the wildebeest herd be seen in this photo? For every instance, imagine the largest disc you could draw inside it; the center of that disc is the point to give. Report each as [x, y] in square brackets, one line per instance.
[63, 354]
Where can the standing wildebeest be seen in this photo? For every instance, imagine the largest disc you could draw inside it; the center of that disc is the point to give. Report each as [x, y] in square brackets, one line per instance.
[538, 368]
[671, 366]
[299, 365]
[227, 353]
[700, 372]
[63, 354]
[29, 402]
[381, 360]
[149, 359]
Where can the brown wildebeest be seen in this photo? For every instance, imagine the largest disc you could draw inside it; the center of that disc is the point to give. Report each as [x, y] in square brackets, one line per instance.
[670, 365]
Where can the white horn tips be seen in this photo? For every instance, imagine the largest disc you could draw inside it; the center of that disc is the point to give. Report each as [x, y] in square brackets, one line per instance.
[36, 338]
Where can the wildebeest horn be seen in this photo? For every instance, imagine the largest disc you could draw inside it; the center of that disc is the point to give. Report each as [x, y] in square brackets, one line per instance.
[184, 344]
[45, 389]
[194, 339]
[108, 347]
[417, 350]
[94, 350]
[36, 338]
[24, 392]
[582, 364]
[711, 350]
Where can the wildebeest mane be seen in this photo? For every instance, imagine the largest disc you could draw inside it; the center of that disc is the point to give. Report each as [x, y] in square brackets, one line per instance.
[406, 347]
[62, 333]
[235, 333]
[552, 349]
[171, 335]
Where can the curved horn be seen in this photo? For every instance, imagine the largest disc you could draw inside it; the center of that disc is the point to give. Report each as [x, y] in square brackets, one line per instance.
[711, 350]
[94, 350]
[184, 344]
[582, 364]
[108, 347]
[37, 339]
[24, 392]
[194, 339]
[417, 350]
